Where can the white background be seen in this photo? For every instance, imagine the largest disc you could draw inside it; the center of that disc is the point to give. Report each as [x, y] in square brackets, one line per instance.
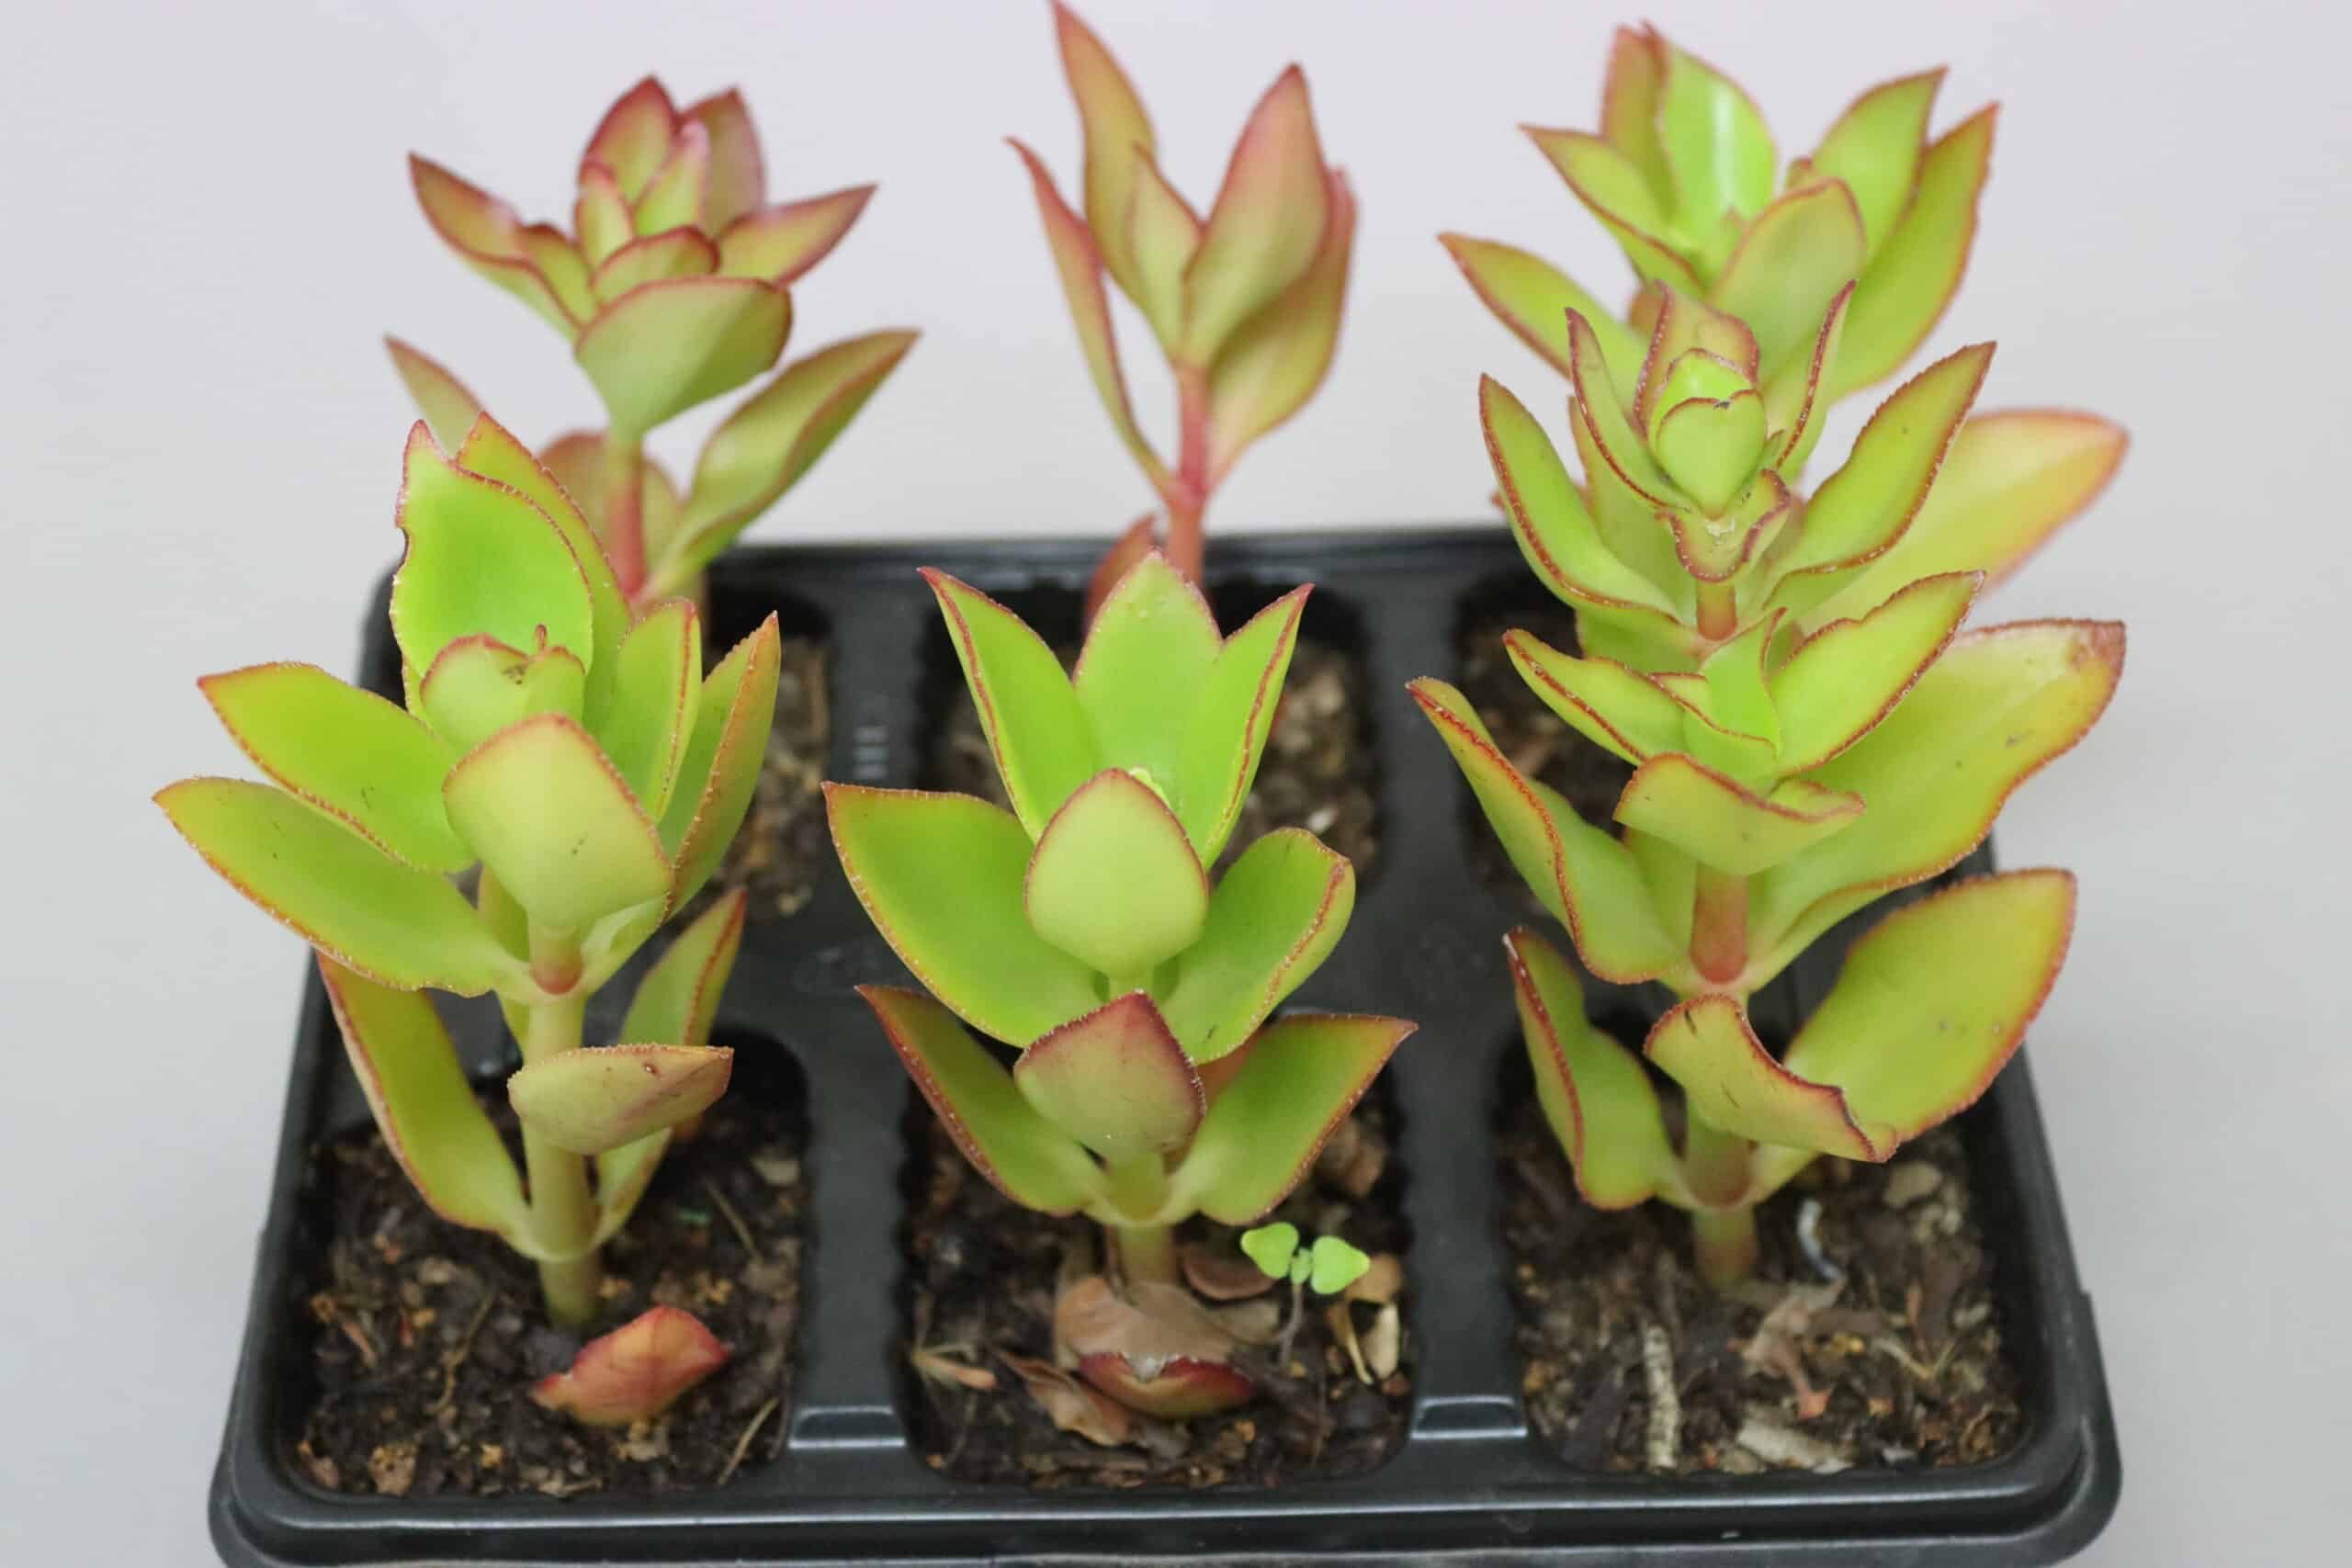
[207, 223]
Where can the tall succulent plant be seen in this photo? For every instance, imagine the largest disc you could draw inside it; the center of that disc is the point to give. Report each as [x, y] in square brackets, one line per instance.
[673, 287]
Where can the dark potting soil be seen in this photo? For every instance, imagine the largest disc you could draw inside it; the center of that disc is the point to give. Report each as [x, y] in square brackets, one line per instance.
[1898, 1365]
[982, 1274]
[783, 848]
[1318, 772]
[1532, 736]
[424, 1339]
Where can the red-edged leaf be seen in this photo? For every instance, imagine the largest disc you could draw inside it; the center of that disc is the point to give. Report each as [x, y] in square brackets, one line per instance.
[635, 135]
[780, 243]
[635, 1372]
[1114, 1079]
[738, 182]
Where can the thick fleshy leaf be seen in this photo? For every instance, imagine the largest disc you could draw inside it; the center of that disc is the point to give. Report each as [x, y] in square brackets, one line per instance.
[1629, 526]
[1681, 324]
[1555, 532]
[780, 243]
[1849, 675]
[1114, 1079]
[1913, 275]
[1303, 1075]
[1588, 879]
[1152, 635]
[560, 264]
[348, 752]
[1719, 156]
[657, 679]
[1865, 507]
[1533, 297]
[1035, 728]
[596, 1099]
[1617, 709]
[1232, 714]
[448, 409]
[622, 1177]
[2009, 481]
[1799, 254]
[1118, 140]
[1079, 261]
[678, 998]
[733, 714]
[487, 236]
[635, 1372]
[738, 181]
[1874, 148]
[1266, 224]
[1932, 1002]
[1720, 824]
[772, 440]
[554, 820]
[479, 685]
[635, 135]
[1113, 882]
[392, 924]
[416, 1088]
[481, 560]
[657, 258]
[576, 460]
[673, 198]
[599, 214]
[1163, 234]
[1274, 361]
[1797, 398]
[1710, 447]
[664, 347]
[1152, 1346]
[1277, 915]
[1729, 1078]
[1629, 101]
[1609, 422]
[1614, 189]
[1987, 715]
[1007, 1139]
[1595, 1093]
[975, 950]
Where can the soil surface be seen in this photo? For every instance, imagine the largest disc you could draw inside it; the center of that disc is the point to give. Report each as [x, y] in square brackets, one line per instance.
[1534, 737]
[982, 1275]
[1899, 1364]
[784, 848]
[1318, 772]
[423, 1338]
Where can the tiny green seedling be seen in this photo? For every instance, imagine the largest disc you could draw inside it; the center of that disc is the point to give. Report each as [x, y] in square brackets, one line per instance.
[1327, 1268]
[673, 287]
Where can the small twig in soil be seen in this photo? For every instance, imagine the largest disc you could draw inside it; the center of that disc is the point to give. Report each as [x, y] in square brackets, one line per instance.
[1663, 1441]
[356, 1332]
[457, 1358]
[742, 1231]
[743, 1443]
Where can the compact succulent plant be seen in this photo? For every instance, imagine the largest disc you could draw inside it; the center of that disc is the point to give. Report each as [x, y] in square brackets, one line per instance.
[1245, 304]
[673, 287]
[1808, 725]
[1152, 1081]
[594, 773]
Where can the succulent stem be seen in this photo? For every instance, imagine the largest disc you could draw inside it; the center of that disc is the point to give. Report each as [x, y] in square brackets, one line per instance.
[1724, 1242]
[1718, 610]
[1719, 925]
[563, 1201]
[625, 509]
[1139, 1186]
[1188, 491]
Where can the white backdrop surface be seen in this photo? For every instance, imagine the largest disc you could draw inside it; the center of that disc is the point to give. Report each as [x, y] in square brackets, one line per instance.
[208, 224]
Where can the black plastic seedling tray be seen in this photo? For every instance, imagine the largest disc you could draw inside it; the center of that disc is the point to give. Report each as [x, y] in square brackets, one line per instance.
[1470, 1483]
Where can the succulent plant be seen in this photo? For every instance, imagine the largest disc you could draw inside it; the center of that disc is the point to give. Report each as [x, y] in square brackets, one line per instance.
[1152, 1079]
[1245, 304]
[673, 287]
[594, 773]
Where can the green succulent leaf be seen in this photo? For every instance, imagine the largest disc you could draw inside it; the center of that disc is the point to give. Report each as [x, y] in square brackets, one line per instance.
[599, 214]
[556, 823]
[1233, 713]
[1008, 1140]
[392, 924]
[1914, 273]
[1114, 1079]
[738, 182]
[1797, 396]
[1615, 191]
[678, 998]
[1588, 879]
[1334, 1265]
[1275, 359]
[635, 136]
[2009, 481]
[1303, 1075]
[481, 560]
[1629, 103]
[1555, 532]
[1594, 1092]
[1533, 297]
[1727, 1077]
[449, 410]
[488, 237]
[1616, 709]
[1113, 881]
[1849, 674]
[1720, 824]
[1609, 423]
[416, 1088]
[348, 752]
[1999, 704]
[975, 951]
[672, 199]
[657, 678]
[721, 768]
[1276, 916]
[1682, 325]
[1874, 149]
[1266, 224]
[663, 348]
[1161, 236]
[1152, 635]
[478, 686]
[594, 1100]
[1709, 448]
[780, 244]
[1271, 1248]
[1800, 255]
[1119, 143]
[1035, 727]
[1718, 153]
